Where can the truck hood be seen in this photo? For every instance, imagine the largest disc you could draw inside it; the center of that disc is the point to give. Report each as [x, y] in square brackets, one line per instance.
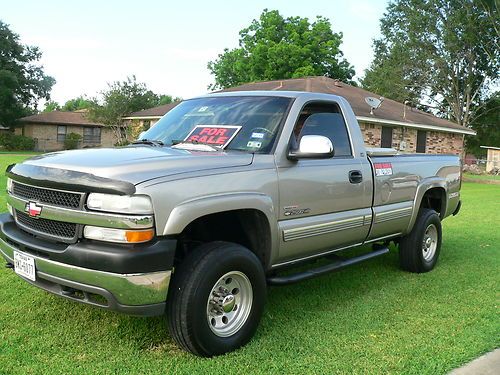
[136, 164]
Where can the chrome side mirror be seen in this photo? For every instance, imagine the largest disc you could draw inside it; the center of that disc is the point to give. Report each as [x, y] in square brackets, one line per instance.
[312, 147]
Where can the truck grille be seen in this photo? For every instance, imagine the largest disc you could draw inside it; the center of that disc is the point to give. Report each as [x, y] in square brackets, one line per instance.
[58, 229]
[52, 197]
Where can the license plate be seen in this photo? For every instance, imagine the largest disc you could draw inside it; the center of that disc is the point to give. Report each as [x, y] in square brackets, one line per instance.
[24, 265]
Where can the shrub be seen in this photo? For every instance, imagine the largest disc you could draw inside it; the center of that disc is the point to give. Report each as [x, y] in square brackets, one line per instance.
[71, 141]
[13, 142]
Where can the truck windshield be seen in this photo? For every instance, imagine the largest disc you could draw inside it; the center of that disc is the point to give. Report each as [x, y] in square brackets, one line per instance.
[245, 123]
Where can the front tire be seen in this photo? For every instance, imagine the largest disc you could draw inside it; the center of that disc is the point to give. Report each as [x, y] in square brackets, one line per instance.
[419, 250]
[216, 299]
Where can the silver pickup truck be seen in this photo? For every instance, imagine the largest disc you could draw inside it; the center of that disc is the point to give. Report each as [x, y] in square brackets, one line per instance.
[216, 200]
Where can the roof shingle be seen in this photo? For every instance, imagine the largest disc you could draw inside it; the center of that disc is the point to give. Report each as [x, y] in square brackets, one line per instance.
[60, 118]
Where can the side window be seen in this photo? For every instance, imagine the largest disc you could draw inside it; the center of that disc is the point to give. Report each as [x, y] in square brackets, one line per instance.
[61, 133]
[421, 141]
[324, 119]
[386, 138]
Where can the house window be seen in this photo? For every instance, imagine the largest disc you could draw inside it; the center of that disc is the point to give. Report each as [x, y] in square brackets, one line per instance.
[91, 135]
[146, 125]
[61, 133]
[421, 141]
[386, 139]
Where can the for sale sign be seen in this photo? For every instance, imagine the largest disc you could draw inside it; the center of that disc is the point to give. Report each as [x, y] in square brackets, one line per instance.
[214, 135]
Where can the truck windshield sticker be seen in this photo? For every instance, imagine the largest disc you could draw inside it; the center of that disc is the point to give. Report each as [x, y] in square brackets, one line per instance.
[254, 144]
[383, 169]
[258, 135]
[214, 135]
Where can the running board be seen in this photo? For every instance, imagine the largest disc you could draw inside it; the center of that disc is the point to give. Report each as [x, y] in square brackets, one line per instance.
[309, 274]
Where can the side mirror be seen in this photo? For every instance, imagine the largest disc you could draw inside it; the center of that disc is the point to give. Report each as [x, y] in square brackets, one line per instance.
[312, 147]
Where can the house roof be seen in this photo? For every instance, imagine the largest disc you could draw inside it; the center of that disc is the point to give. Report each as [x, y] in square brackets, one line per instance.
[151, 112]
[78, 118]
[390, 112]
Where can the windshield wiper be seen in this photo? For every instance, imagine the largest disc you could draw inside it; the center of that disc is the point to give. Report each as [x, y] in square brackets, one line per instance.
[152, 142]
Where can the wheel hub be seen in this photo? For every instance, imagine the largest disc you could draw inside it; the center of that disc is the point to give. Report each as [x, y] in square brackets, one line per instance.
[229, 304]
[429, 243]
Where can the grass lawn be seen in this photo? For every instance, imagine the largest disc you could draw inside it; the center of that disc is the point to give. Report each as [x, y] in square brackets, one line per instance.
[370, 318]
[481, 177]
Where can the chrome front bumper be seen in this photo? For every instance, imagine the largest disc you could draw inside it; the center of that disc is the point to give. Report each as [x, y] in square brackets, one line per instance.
[135, 294]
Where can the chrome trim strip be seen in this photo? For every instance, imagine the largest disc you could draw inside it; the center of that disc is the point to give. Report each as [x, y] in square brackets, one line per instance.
[393, 214]
[128, 289]
[383, 238]
[97, 219]
[320, 229]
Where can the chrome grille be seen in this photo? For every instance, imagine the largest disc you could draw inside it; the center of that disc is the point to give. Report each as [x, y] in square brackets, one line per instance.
[52, 197]
[51, 228]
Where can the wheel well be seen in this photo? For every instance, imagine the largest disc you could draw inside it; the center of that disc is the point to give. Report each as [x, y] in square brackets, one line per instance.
[247, 227]
[435, 199]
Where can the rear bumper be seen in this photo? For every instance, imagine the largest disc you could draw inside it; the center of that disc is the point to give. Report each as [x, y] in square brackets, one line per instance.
[136, 293]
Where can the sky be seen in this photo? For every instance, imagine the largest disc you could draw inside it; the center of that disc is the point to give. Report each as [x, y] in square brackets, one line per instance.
[166, 44]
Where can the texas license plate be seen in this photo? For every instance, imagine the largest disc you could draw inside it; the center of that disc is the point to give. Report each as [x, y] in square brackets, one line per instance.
[24, 265]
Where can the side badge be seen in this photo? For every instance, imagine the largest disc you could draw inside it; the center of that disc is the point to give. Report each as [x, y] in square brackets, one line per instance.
[295, 210]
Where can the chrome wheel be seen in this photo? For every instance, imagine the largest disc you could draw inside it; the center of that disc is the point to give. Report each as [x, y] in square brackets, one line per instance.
[229, 304]
[429, 243]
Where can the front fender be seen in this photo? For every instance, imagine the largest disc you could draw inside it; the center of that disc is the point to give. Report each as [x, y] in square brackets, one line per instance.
[185, 213]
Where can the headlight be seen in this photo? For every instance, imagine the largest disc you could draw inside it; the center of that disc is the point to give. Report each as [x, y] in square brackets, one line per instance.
[135, 204]
[9, 185]
[118, 235]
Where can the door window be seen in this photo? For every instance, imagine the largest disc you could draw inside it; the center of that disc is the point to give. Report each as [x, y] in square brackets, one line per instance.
[323, 119]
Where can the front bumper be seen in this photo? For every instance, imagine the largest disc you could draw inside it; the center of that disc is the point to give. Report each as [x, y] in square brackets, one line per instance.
[136, 293]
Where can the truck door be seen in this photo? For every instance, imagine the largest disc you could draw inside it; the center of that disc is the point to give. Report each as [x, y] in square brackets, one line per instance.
[325, 204]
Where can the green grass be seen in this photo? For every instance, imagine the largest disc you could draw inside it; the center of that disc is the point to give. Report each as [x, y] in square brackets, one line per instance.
[370, 318]
[481, 177]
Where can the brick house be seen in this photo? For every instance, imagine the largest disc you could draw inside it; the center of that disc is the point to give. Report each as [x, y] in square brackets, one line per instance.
[49, 130]
[393, 124]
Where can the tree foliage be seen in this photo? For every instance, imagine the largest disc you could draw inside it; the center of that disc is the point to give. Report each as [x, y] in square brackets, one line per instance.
[51, 106]
[120, 99]
[78, 103]
[487, 126]
[274, 47]
[441, 53]
[22, 79]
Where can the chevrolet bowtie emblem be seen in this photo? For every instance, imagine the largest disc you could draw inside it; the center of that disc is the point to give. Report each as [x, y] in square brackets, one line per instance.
[33, 209]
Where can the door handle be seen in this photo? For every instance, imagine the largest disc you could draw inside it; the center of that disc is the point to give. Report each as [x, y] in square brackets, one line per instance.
[355, 177]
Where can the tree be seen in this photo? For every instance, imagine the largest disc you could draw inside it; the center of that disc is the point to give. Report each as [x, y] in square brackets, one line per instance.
[167, 99]
[487, 127]
[51, 106]
[120, 99]
[275, 47]
[78, 103]
[443, 54]
[22, 79]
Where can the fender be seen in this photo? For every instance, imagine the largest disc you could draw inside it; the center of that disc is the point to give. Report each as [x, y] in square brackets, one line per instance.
[185, 213]
[422, 188]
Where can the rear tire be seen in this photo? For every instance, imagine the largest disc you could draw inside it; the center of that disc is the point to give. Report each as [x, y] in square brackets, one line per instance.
[419, 250]
[216, 299]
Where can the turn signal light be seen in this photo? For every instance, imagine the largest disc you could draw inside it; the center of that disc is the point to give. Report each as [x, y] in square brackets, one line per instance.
[118, 235]
[139, 236]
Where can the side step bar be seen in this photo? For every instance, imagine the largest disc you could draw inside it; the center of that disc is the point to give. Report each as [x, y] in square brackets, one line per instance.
[309, 274]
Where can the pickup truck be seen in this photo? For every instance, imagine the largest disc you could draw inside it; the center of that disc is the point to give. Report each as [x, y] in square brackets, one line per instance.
[226, 192]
